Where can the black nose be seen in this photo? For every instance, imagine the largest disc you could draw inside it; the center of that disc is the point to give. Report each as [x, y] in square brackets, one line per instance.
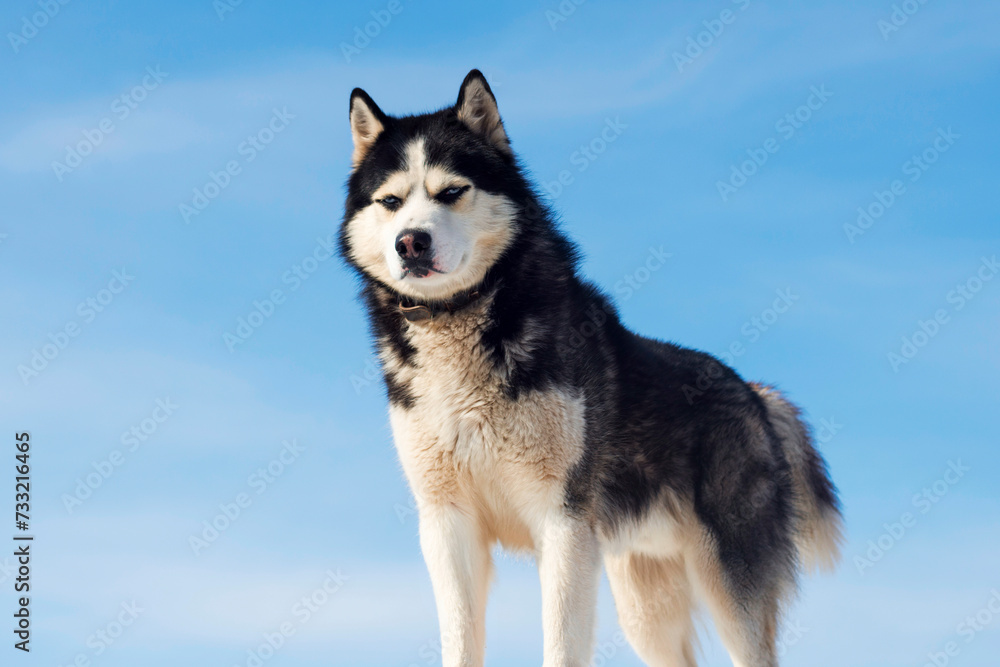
[413, 244]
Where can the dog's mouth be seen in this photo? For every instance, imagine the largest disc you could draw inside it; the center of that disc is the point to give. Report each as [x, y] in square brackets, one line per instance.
[422, 268]
[421, 271]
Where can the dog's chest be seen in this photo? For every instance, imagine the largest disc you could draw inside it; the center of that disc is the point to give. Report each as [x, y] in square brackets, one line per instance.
[464, 434]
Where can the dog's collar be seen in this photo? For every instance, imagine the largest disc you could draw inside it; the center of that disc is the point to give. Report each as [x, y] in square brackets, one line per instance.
[418, 312]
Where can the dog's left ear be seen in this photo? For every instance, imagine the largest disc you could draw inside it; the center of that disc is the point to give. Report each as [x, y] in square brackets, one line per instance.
[477, 108]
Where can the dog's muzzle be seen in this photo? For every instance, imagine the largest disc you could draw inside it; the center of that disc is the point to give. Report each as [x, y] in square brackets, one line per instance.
[415, 251]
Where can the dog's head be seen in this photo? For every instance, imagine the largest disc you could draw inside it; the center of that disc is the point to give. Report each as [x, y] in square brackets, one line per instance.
[432, 199]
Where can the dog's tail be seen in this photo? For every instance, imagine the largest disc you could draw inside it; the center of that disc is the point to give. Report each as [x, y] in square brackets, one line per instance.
[818, 534]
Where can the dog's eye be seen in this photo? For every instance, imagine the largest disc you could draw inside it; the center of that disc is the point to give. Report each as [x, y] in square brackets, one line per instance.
[391, 202]
[451, 195]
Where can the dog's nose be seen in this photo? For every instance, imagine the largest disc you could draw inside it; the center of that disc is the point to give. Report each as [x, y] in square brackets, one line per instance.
[412, 244]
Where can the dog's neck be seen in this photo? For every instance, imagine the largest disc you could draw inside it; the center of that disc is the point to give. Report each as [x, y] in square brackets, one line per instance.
[417, 311]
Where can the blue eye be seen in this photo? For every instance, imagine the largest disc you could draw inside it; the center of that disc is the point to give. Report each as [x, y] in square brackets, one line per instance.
[451, 195]
[391, 202]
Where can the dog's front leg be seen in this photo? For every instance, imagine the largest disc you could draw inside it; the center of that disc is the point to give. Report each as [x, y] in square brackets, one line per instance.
[569, 565]
[458, 559]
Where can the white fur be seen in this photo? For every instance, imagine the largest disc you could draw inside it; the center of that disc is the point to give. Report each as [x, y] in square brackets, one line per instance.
[569, 566]
[485, 468]
[467, 236]
[657, 534]
[458, 560]
[655, 606]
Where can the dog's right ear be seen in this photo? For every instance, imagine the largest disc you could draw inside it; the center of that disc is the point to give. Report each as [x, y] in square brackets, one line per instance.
[367, 123]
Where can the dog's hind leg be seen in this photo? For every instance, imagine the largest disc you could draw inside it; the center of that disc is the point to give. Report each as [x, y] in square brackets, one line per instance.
[653, 598]
[747, 621]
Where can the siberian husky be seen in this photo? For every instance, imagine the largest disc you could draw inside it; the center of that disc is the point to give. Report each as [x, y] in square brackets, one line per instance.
[526, 414]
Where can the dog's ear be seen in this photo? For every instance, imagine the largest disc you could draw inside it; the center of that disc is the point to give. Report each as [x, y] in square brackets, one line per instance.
[367, 123]
[477, 108]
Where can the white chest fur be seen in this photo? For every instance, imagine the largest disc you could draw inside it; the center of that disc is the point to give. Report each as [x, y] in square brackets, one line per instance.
[465, 441]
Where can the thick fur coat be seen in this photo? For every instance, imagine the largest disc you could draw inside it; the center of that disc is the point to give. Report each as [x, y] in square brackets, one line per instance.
[525, 413]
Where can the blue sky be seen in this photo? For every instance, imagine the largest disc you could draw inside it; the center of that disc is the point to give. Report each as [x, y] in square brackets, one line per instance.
[920, 273]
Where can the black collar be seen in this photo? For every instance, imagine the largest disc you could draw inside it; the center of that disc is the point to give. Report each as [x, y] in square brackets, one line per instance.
[418, 312]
